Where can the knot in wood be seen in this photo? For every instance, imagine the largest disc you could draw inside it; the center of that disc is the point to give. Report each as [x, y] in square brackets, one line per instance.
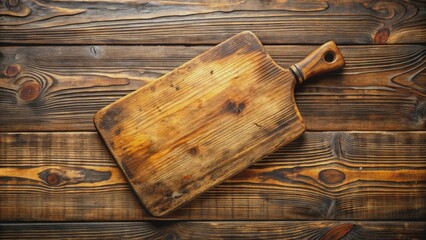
[53, 179]
[12, 70]
[381, 36]
[332, 176]
[12, 3]
[29, 91]
[193, 151]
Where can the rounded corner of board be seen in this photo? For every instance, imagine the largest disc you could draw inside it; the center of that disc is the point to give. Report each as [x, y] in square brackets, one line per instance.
[97, 118]
[156, 212]
[247, 32]
[160, 210]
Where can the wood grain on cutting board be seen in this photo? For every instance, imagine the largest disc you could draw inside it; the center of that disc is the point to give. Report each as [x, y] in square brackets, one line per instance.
[202, 123]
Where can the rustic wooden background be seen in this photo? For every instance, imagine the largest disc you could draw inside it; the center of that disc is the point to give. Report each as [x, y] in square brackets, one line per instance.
[358, 172]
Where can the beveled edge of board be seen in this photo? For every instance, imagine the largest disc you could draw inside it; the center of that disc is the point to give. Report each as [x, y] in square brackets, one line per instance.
[99, 114]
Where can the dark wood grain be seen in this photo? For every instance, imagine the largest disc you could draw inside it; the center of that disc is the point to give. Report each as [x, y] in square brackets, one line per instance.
[324, 175]
[60, 88]
[194, 22]
[70, 176]
[216, 230]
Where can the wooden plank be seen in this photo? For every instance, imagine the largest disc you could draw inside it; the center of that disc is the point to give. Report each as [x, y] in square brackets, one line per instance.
[322, 175]
[60, 88]
[325, 230]
[194, 22]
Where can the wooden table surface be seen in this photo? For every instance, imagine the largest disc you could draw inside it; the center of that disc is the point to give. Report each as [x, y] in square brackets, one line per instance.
[358, 172]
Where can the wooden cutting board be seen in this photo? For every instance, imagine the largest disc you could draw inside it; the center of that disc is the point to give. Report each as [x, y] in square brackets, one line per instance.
[207, 120]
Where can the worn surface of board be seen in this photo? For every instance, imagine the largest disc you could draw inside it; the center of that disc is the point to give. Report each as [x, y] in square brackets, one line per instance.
[62, 61]
[207, 120]
[202, 123]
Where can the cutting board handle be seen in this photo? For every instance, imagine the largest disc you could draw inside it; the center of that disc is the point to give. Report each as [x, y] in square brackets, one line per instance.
[324, 59]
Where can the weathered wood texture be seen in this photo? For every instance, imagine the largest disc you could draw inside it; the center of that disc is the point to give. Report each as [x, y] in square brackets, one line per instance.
[195, 22]
[56, 176]
[327, 175]
[60, 88]
[327, 230]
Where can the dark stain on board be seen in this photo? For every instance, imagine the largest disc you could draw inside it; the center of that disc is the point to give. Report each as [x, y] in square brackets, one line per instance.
[176, 87]
[281, 125]
[117, 131]
[233, 107]
[110, 118]
[126, 170]
[168, 193]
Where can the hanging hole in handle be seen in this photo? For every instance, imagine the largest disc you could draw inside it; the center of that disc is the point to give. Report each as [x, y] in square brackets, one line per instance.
[329, 57]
